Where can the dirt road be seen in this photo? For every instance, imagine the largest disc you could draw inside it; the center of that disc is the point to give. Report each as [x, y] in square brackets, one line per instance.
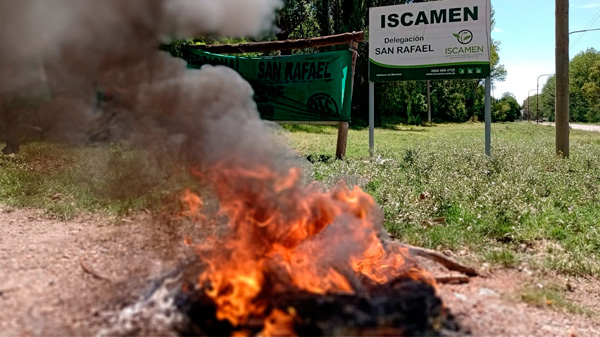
[575, 126]
[66, 278]
[57, 278]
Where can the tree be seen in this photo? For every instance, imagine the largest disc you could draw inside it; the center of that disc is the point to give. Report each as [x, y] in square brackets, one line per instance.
[498, 72]
[584, 88]
[506, 109]
[296, 19]
[514, 112]
[580, 70]
[591, 91]
[530, 107]
[548, 99]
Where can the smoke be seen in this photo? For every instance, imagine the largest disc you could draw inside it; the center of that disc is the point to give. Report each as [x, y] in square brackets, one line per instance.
[87, 70]
[223, 17]
[91, 70]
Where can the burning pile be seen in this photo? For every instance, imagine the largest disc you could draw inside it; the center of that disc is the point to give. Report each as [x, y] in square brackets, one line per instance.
[295, 251]
[292, 252]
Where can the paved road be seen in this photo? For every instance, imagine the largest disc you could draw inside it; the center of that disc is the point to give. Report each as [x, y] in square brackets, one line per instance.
[585, 127]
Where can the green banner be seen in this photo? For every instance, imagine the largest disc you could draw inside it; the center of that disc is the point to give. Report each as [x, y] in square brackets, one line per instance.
[314, 87]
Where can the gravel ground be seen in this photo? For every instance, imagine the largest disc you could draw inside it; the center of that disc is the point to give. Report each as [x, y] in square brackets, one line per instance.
[67, 278]
[584, 127]
[59, 277]
[490, 307]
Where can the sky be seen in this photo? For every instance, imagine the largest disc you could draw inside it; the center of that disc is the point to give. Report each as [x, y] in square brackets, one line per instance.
[525, 29]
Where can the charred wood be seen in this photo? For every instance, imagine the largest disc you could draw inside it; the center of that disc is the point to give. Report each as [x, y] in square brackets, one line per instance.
[402, 307]
[443, 260]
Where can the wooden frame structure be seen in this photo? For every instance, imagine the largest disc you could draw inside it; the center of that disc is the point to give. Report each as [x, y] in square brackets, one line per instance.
[352, 39]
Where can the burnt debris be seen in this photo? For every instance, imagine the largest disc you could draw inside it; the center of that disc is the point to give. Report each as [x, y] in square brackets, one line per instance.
[401, 307]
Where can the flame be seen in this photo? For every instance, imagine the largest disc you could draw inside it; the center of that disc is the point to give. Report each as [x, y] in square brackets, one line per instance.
[285, 235]
[279, 323]
[193, 203]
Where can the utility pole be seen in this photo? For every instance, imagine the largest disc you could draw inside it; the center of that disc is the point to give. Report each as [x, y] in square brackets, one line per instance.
[562, 78]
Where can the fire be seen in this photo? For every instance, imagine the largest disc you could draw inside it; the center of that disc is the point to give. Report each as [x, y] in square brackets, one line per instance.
[279, 323]
[193, 204]
[287, 236]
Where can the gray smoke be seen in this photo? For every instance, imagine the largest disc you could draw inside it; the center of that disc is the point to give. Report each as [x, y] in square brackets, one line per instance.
[187, 18]
[88, 70]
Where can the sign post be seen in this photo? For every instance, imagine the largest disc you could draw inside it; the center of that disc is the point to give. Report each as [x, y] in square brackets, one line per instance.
[488, 117]
[371, 118]
[438, 40]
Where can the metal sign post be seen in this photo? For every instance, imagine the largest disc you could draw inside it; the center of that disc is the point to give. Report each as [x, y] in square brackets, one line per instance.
[488, 116]
[371, 118]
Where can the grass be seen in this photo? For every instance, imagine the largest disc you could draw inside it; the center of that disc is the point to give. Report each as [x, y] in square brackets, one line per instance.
[67, 182]
[523, 196]
[523, 205]
[552, 295]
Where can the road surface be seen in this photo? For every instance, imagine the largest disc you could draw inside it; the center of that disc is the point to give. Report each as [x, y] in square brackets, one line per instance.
[584, 127]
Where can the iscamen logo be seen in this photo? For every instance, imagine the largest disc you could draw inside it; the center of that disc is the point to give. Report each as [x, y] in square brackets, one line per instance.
[464, 36]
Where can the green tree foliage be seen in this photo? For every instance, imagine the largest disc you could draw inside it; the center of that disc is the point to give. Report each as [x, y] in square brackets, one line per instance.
[548, 99]
[584, 89]
[297, 19]
[506, 109]
[591, 90]
[579, 75]
[457, 101]
[529, 107]
[406, 101]
[498, 72]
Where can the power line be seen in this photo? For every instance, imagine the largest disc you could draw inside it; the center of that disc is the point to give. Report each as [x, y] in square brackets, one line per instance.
[587, 27]
[590, 24]
[585, 30]
[592, 21]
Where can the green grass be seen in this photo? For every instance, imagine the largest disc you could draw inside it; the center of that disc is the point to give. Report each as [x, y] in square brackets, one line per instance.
[67, 182]
[552, 295]
[504, 257]
[522, 196]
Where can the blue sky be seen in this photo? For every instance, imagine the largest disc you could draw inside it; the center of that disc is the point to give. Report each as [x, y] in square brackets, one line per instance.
[525, 29]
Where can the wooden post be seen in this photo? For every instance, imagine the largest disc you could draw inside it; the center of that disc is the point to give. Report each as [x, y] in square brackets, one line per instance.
[562, 78]
[342, 140]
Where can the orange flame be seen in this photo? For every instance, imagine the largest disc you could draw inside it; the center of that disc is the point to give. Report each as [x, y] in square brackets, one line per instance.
[279, 323]
[284, 234]
[193, 204]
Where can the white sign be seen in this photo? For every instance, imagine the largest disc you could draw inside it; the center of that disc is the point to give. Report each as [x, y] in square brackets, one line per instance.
[426, 41]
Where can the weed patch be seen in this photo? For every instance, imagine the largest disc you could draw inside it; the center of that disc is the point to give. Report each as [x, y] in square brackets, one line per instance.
[551, 296]
[68, 181]
[521, 195]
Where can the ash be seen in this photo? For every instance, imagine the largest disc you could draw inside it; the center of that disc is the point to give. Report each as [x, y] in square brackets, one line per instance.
[155, 314]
